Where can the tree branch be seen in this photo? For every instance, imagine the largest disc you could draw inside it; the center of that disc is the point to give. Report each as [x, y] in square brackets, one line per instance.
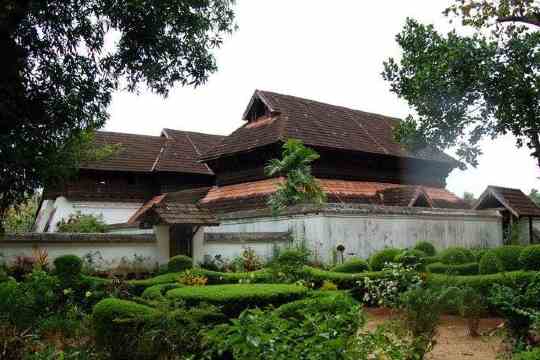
[523, 19]
[535, 142]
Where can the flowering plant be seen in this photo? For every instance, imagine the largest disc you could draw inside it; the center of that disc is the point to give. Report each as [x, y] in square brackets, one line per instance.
[384, 291]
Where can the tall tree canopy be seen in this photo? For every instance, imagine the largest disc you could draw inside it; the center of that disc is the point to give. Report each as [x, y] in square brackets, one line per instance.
[62, 59]
[465, 88]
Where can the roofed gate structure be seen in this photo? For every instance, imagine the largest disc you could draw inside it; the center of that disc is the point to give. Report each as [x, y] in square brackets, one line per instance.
[379, 193]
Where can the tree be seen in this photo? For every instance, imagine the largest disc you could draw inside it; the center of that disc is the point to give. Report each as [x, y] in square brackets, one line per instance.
[469, 198]
[20, 218]
[62, 59]
[535, 196]
[299, 186]
[466, 88]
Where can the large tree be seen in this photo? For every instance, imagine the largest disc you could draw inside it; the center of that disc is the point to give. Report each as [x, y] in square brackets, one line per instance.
[465, 88]
[62, 59]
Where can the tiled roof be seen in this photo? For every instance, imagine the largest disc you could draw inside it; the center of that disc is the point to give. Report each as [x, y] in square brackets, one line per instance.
[512, 199]
[403, 196]
[320, 125]
[177, 151]
[254, 193]
[176, 208]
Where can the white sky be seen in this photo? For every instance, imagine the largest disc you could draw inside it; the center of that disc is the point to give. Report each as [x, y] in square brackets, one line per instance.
[330, 51]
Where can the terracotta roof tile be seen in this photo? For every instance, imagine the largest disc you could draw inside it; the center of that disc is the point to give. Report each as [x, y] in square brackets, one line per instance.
[320, 125]
[513, 199]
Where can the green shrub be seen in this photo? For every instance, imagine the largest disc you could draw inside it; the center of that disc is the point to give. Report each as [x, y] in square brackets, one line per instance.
[530, 258]
[479, 252]
[80, 223]
[431, 260]
[464, 269]
[179, 263]
[157, 292]
[68, 266]
[456, 256]
[412, 257]
[509, 256]
[426, 247]
[352, 266]
[235, 298]
[490, 263]
[117, 324]
[342, 280]
[332, 303]
[533, 354]
[379, 259]
[287, 265]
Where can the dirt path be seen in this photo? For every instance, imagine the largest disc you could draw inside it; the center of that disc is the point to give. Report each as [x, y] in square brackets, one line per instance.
[453, 342]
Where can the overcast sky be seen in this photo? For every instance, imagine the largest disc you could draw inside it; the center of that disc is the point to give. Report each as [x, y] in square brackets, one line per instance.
[330, 51]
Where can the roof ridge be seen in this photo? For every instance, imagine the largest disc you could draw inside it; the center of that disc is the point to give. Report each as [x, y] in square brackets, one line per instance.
[193, 132]
[125, 133]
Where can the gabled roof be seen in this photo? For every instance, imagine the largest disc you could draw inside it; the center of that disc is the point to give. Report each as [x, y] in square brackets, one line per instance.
[514, 200]
[320, 125]
[404, 196]
[175, 208]
[174, 151]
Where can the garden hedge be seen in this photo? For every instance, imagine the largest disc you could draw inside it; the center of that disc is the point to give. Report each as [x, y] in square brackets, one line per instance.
[379, 259]
[116, 324]
[234, 298]
[342, 280]
[530, 258]
[352, 266]
[509, 256]
[463, 269]
[411, 257]
[426, 247]
[157, 292]
[68, 266]
[326, 301]
[490, 263]
[533, 354]
[456, 256]
[179, 263]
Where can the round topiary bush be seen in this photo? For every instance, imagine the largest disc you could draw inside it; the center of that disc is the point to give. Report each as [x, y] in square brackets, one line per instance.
[426, 247]
[456, 256]
[490, 264]
[509, 256]
[463, 269]
[352, 266]
[179, 263]
[379, 259]
[68, 266]
[530, 258]
[412, 257]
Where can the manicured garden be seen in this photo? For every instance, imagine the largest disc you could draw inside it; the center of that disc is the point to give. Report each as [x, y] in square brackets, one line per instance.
[286, 308]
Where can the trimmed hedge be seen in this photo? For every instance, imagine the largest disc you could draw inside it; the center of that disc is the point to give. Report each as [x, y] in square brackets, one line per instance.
[234, 298]
[463, 269]
[352, 266]
[412, 257]
[426, 247]
[479, 252]
[530, 258]
[179, 263]
[490, 263]
[379, 259]
[116, 324]
[432, 260]
[68, 266]
[456, 256]
[533, 354]
[157, 292]
[509, 256]
[330, 302]
[342, 280]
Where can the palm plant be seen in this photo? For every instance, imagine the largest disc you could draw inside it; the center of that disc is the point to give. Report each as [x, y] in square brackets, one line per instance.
[300, 186]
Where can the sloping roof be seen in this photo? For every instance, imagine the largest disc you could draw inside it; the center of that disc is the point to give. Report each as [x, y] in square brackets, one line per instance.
[403, 196]
[253, 194]
[176, 151]
[513, 200]
[320, 125]
[176, 208]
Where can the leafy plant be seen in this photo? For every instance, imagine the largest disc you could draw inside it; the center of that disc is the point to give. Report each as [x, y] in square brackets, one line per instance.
[328, 286]
[191, 278]
[490, 263]
[288, 265]
[456, 256]
[426, 247]
[530, 258]
[380, 259]
[248, 261]
[351, 266]
[413, 258]
[179, 263]
[472, 306]
[82, 223]
[299, 185]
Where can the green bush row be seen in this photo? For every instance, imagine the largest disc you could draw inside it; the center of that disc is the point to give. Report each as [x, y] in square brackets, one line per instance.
[352, 266]
[234, 298]
[463, 269]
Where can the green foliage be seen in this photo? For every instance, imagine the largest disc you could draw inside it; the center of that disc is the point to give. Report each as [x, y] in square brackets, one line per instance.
[235, 298]
[413, 258]
[299, 186]
[456, 256]
[535, 196]
[157, 292]
[472, 306]
[247, 261]
[328, 286]
[20, 218]
[79, 223]
[317, 277]
[68, 266]
[465, 88]
[288, 264]
[44, 126]
[533, 354]
[332, 303]
[352, 266]
[479, 252]
[426, 247]
[530, 258]
[463, 269]
[179, 263]
[378, 260]
[509, 256]
[319, 331]
[431, 260]
[117, 323]
[490, 263]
